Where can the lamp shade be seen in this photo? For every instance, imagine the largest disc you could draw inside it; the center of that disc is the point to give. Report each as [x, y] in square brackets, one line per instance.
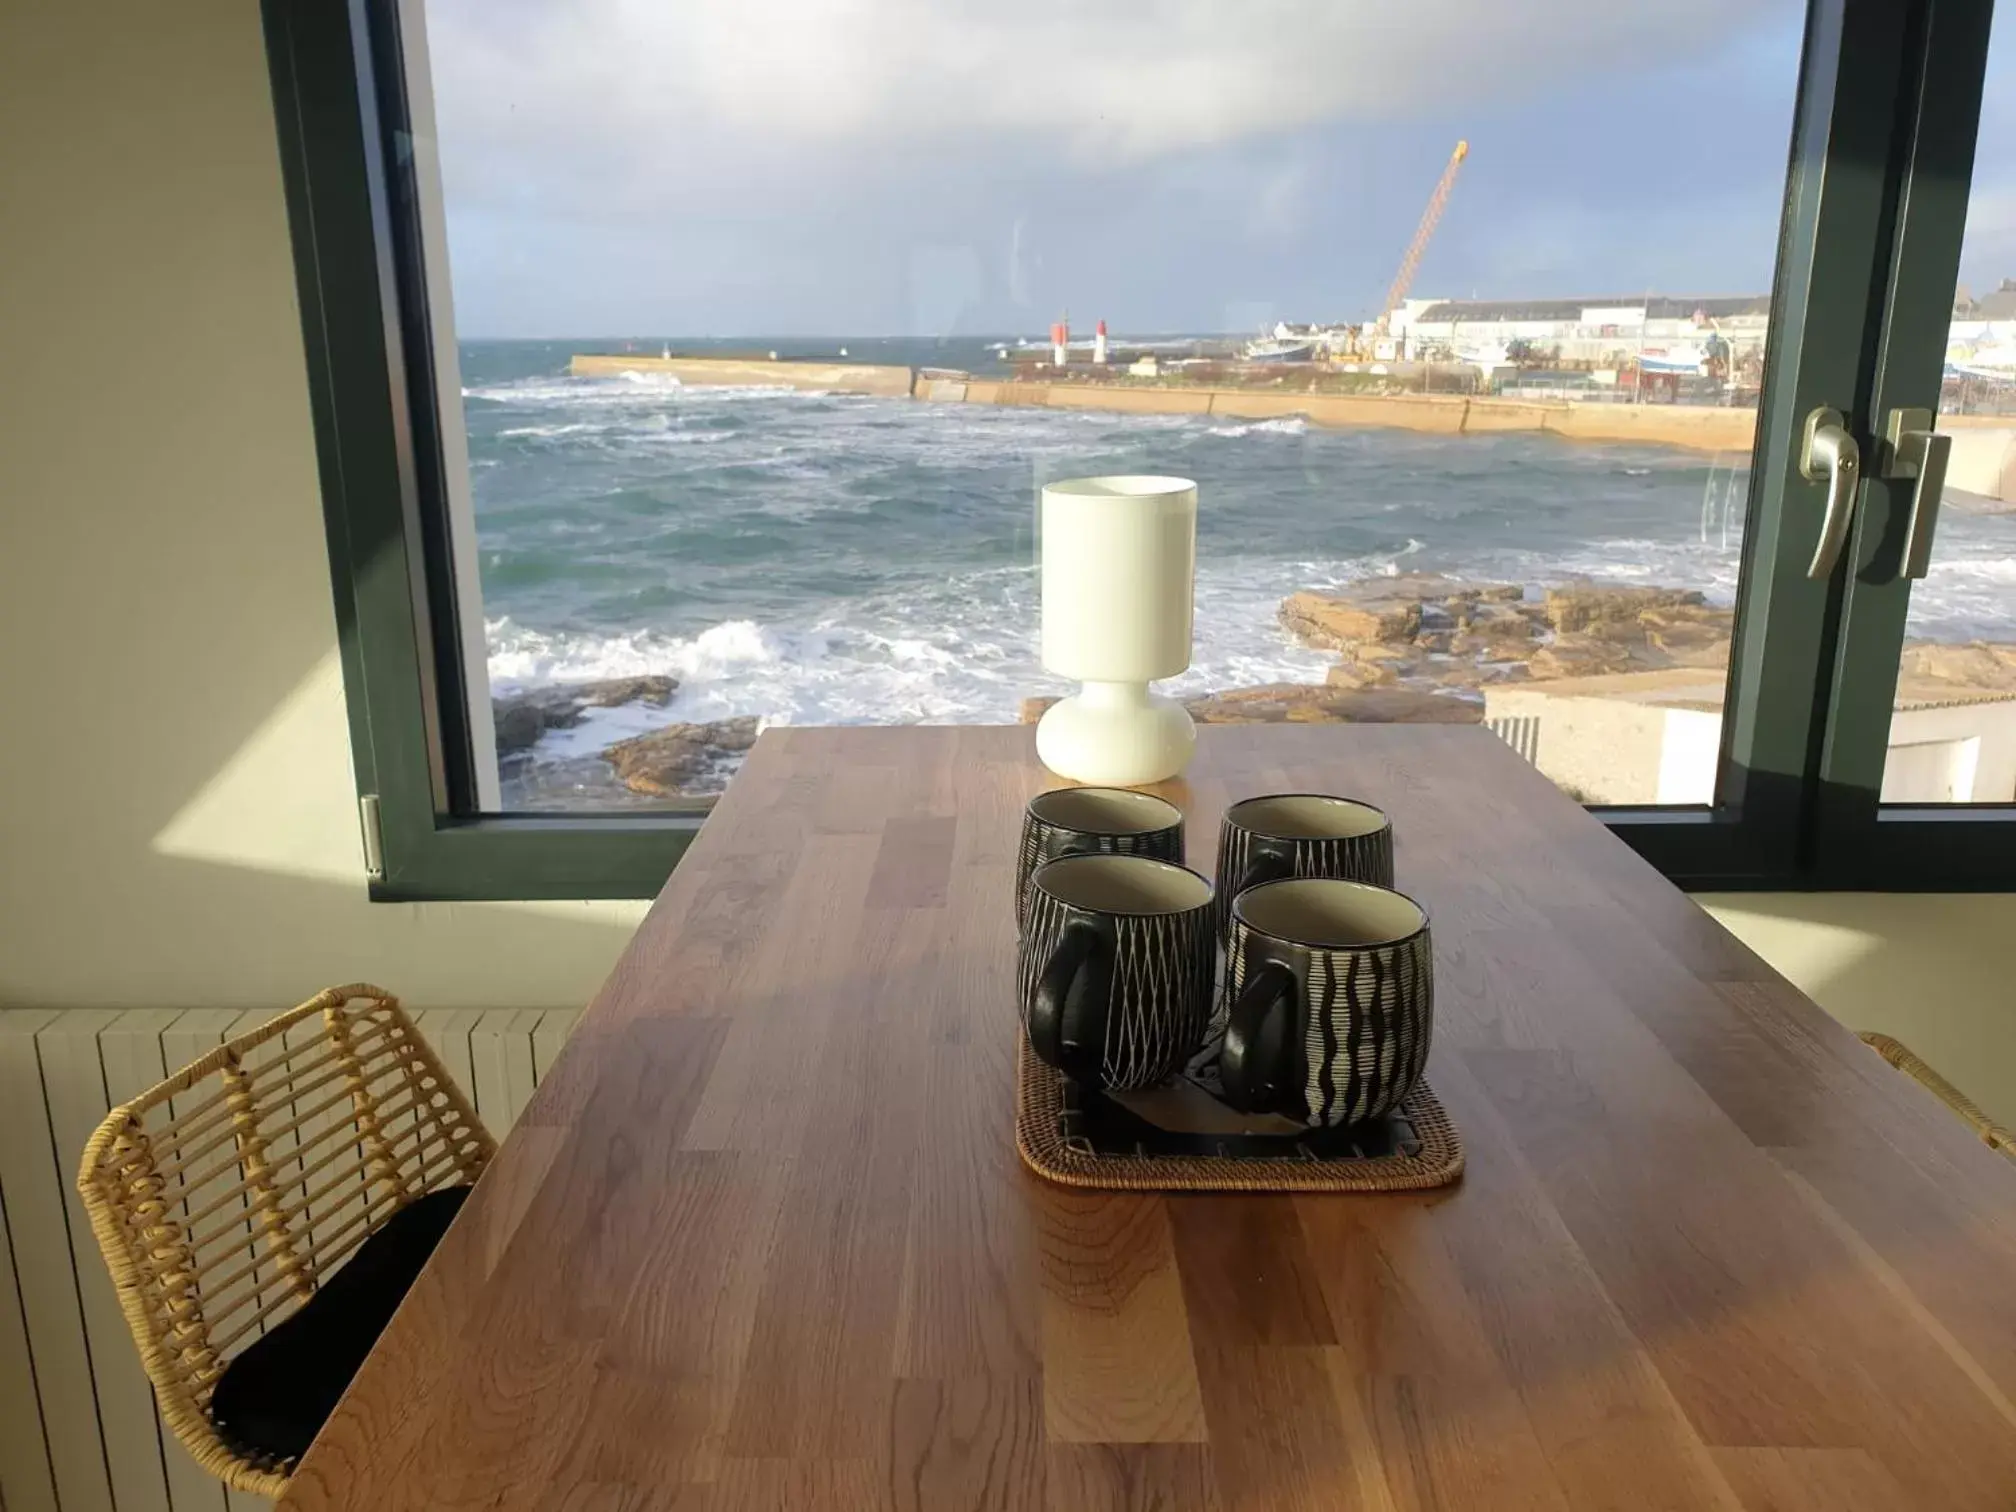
[1119, 577]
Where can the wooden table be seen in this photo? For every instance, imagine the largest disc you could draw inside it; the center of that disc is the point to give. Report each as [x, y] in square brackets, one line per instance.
[762, 1241]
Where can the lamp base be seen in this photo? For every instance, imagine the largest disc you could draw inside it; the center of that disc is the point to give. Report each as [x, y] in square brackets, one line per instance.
[1116, 733]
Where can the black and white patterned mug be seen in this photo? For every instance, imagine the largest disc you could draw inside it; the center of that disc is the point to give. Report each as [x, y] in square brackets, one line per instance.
[1330, 987]
[1118, 966]
[1301, 835]
[1091, 821]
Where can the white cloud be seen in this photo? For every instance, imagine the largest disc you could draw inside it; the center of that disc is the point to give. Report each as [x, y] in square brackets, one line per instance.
[1114, 82]
[806, 164]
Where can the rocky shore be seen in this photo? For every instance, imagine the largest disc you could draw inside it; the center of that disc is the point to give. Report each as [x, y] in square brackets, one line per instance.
[1413, 649]
[678, 761]
[1426, 630]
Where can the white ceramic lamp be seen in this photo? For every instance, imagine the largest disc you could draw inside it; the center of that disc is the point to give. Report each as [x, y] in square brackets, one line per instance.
[1119, 585]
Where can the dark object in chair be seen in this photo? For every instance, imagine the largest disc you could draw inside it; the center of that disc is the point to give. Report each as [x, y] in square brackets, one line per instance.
[273, 1398]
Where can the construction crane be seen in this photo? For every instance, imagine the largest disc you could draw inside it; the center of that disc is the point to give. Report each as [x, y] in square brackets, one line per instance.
[1404, 279]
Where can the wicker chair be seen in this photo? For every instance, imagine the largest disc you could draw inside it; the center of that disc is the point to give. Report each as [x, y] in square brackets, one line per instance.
[222, 1196]
[1989, 1132]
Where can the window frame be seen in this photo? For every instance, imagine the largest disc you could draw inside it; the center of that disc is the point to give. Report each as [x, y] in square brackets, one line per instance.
[342, 107]
[1866, 79]
[1968, 847]
[339, 97]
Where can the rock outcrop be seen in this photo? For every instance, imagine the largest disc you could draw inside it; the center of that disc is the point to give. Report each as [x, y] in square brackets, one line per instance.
[1494, 632]
[1302, 703]
[521, 718]
[1581, 655]
[1392, 610]
[1427, 631]
[683, 760]
[1335, 623]
[1597, 606]
[1690, 635]
[1973, 667]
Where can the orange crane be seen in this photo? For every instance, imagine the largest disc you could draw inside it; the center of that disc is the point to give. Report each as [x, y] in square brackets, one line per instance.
[1404, 279]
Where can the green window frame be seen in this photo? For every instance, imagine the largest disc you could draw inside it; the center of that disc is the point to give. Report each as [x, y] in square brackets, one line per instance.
[1876, 189]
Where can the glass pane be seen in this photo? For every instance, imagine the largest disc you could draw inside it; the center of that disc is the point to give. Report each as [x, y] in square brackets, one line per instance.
[1953, 730]
[773, 320]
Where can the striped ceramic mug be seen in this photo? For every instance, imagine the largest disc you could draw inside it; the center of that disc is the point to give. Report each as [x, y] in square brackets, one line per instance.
[1078, 821]
[1330, 988]
[1118, 966]
[1301, 835]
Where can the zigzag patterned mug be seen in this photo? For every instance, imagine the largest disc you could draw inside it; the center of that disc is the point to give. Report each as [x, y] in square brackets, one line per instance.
[1119, 958]
[1083, 821]
[1331, 994]
[1301, 835]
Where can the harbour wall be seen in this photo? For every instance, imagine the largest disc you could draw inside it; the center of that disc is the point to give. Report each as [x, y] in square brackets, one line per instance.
[1984, 452]
[829, 377]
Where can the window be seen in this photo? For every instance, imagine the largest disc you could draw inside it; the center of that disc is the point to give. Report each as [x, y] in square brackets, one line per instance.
[683, 371]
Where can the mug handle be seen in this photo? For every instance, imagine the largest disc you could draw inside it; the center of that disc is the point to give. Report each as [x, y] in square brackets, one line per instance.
[1271, 863]
[1258, 1065]
[1067, 1015]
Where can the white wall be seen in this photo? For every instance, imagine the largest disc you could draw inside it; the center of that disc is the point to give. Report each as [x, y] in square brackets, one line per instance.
[1937, 971]
[176, 805]
[177, 819]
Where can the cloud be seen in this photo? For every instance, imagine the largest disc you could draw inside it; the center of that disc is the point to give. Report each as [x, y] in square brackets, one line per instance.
[862, 165]
[1110, 83]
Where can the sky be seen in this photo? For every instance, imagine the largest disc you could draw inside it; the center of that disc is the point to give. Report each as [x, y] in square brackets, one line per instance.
[965, 167]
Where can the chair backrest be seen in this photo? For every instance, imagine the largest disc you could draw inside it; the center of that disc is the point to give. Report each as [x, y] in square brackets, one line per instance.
[221, 1197]
[1899, 1054]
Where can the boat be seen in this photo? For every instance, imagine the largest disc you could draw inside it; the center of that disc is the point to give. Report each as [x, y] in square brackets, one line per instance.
[1685, 359]
[1275, 349]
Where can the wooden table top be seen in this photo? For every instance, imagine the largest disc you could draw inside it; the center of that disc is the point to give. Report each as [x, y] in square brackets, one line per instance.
[762, 1241]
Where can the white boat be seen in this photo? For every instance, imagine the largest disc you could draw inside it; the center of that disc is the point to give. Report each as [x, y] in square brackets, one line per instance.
[1275, 349]
[1685, 359]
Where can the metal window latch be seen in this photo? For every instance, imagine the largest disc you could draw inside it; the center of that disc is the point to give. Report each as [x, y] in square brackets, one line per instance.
[374, 837]
[1829, 454]
[1913, 449]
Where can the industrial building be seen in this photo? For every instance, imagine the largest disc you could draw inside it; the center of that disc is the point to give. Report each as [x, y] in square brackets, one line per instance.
[1608, 332]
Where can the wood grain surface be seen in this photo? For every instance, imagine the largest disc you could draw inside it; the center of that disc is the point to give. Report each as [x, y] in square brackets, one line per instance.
[761, 1240]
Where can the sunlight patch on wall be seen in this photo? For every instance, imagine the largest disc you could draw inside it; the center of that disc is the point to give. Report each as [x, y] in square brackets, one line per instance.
[267, 808]
[1813, 952]
[278, 806]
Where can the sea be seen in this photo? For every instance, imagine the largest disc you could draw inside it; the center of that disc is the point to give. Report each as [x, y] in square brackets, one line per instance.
[823, 558]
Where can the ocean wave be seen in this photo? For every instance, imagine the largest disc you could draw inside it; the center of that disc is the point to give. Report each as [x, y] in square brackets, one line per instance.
[627, 389]
[1285, 425]
[963, 651]
[551, 432]
[522, 657]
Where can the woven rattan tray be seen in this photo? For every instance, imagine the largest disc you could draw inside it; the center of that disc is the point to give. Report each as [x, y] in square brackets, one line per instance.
[1173, 1142]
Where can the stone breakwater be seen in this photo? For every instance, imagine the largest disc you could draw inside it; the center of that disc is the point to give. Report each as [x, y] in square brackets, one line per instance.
[1700, 427]
[1983, 462]
[1414, 649]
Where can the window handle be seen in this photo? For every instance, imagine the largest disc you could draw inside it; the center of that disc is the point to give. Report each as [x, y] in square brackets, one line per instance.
[1911, 448]
[1828, 453]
